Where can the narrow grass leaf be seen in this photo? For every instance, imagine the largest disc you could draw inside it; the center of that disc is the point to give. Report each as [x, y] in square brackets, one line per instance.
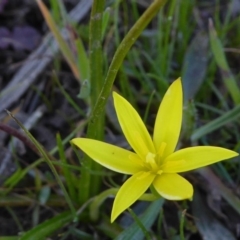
[195, 65]
[67, 173]
[220, 58]
[10, 238]
[181, 227]
[45, 229]
[140, 225]
[226, 118]
[55, 10]
[11, 182]
[85, 89]
[62, 43]
[106, 17]
[68, 96]
[48, 158]
[147, 218]
[83, 61]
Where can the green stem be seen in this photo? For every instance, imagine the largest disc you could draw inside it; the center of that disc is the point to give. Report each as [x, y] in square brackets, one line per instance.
[182, 225]
[90, 184]
[120, 54]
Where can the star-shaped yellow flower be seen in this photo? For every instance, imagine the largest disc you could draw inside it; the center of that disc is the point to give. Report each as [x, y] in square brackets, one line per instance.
[153, 161]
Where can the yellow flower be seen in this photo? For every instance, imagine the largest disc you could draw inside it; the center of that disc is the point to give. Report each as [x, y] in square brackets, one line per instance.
[154, 161]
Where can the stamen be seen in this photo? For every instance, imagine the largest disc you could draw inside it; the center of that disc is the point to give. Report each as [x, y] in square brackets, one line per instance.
[150, 159]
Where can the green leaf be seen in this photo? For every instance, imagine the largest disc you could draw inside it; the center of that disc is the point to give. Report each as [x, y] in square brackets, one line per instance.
[134, 232]
[45, 229]
[195, 65]
[85, 90]
[230, 116]
[70, 58]
[220, 58]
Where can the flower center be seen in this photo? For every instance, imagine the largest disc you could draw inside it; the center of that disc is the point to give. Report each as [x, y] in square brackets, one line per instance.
[151, 163]
[154, 161]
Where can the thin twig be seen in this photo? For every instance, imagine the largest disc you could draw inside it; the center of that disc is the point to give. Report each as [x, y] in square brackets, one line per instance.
[16, 133]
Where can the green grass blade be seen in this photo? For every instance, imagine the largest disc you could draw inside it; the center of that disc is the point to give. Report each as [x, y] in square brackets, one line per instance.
[66, 171]
[68, 96]
[47, 158]
[45, 229]
[228, 117]
[195, 65]
[147, 219]
[145, 232]
[220, 58]
[62, 43]
[83, 61]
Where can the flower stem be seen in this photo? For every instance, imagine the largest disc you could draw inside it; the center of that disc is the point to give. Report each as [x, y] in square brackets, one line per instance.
[182, 218]
[89, 185]
[120, 54]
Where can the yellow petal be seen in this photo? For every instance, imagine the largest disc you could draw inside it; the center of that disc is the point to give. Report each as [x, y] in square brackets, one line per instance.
[173, 187]
[110, 156]
[130, 191]
[195, 157]
[169, 119]
[133, 127]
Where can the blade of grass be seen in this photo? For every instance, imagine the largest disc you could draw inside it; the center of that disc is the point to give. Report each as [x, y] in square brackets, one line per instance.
[62, 43]
[220, 58]
[66, 171]
[15, 200]
[147, 219]
[67, 96]
[48, 227]
[195, 65]
[229, 116]
[15, 218]
[140, 224]
[181, 227]
[56, 14]
[18, 175]
[49, 162]
[83, 61]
